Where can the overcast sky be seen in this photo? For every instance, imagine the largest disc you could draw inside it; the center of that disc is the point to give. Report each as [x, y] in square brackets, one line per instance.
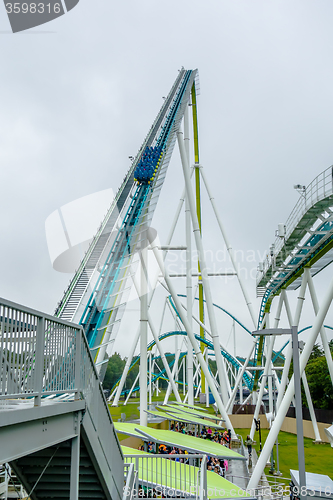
[79, 94]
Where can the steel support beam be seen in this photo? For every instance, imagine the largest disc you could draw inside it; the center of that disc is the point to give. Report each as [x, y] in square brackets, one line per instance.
[75, 464]
[285, 403]
[194, 343]
[203, 270]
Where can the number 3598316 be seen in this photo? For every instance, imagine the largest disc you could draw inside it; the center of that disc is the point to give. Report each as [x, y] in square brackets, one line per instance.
[32, 8]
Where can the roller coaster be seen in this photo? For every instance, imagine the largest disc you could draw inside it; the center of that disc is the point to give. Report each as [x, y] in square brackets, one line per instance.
[97, 295]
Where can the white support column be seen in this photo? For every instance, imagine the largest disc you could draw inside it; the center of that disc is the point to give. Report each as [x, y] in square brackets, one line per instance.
[230, 250]
[276, 324]
[112, 394]
[164, 360]
[132, 389]
[126, 368]
[311, 409]
[196, 376]
[262, 387]
[188, 229]
[324, 340]
[160, 348]
[194, 343]
[203, 268]
[206, 383]
[143, 329]
[285, 403]
[176, 350]
[241, 392]
[75, 462]
[173, 375]
[150, 385]
[239, 379]
[234, 336]
[270, 374]
[189, 300]
[287, 361]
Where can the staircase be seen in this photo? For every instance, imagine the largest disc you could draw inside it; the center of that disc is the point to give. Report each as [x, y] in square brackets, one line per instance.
[56, 430]
[48, 472]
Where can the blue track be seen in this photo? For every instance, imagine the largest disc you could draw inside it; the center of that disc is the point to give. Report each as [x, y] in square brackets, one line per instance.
[206, 342]
[97, 311]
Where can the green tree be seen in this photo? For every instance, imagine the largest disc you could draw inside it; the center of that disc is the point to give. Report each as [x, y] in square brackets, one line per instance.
[318, 378]
[331, 345]
[316, 352]
[320, 384]
[114, 370]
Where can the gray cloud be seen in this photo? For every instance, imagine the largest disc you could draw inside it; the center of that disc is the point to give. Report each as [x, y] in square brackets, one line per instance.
[77, 102]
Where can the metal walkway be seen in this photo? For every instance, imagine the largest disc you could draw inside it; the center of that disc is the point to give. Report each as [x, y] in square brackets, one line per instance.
[56, 431]
[307, 241]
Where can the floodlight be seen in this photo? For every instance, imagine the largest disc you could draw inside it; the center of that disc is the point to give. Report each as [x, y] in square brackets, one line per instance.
[270, 417]
[329, 434]
[281, 230]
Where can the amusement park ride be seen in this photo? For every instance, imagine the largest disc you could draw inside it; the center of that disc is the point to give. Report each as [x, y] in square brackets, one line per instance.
[96, 298]
[97, 295]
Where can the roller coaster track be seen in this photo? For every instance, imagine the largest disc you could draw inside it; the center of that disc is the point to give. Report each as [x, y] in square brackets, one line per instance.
[97, 295]
[156, 376]
[204, 341]
[308, 242]
[69, 307]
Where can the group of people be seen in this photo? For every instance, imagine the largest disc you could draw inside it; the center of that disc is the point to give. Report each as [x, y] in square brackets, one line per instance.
[223, 438]
[213, 464]
[218, 466]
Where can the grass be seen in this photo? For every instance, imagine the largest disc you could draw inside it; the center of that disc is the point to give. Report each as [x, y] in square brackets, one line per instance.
[131, 409]
[318, 457]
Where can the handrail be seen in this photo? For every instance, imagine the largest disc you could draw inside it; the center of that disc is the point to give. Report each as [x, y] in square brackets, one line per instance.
[43, 355]
[319, 189]
[130, 476]
[203, 479]
[184, 480]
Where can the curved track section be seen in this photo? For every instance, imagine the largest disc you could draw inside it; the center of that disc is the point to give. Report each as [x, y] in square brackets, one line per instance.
[308, 240]
[206, 342]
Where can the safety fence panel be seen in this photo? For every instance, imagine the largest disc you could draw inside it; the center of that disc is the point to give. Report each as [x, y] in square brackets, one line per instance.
[166, 476]
[37, 353]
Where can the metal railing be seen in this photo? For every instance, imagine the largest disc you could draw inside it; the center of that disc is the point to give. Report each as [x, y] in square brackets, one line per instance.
[130, 475]
[9, 484]
[319, 189]
[274, 488]
[40, 356]
[242, 447]
[3, 482]
[166, 476]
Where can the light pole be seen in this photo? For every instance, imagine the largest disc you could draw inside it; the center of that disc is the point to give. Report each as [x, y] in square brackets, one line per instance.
[276, 472]
[258, 428]
[298, 397]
